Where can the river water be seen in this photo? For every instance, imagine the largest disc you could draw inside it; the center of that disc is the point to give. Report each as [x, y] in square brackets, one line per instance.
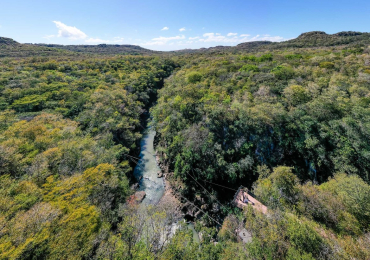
[147, 167]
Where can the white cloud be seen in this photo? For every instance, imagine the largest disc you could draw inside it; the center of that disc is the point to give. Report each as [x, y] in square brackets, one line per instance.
[165, 28]
[255, 38]
[208, 34]
[98, 40]
[272, 38]
[182, 29]
[179, 37]
[118, 39]
[152, 43]
[48, 37]
[265, 37]
[73, 33]
[218, 38]
[206, 40]
[69, 32]
[163, 40]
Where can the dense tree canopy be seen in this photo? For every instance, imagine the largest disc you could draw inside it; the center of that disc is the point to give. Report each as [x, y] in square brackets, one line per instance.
[66, 128]
[290, 121]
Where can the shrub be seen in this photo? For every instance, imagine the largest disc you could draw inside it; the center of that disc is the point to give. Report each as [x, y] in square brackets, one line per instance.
[250, 67]
[296, 94]
[250, 57]
[194, 77]
[326, 65]
[293, 56]
[265, 57]
[283, 72]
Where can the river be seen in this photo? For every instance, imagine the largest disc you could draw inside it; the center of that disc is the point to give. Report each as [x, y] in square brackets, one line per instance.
[147, 168]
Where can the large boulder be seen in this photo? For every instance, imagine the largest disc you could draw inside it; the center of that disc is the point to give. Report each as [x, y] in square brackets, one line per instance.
[139, 196]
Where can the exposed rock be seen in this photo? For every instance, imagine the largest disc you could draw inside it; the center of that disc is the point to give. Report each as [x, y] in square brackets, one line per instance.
[169, 200]
[139, 196]
[244, 235]
[135, 186]
[159, 174]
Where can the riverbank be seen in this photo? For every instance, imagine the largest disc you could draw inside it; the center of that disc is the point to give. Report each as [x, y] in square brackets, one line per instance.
[170, 200]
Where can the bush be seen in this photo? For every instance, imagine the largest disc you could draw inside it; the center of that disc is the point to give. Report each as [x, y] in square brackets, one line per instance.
[194, 77]
[302, 235]
[354, 193]
[265, 57]
[283, 72]
[280, 189]
[293, 56]
[250, 57]
[296, 94]
[250, 67]
[326, 65]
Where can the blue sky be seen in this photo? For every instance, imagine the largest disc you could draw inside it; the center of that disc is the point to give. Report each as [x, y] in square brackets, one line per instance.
[173, 25]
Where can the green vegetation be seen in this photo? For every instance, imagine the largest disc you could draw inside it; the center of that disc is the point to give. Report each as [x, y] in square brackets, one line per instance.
[290, 121]
[66, 128]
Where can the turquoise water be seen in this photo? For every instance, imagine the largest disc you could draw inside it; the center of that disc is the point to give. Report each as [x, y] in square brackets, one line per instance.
[148, 168]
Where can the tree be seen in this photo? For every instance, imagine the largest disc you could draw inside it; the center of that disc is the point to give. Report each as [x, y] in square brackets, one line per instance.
[194, 77]
[295, 95]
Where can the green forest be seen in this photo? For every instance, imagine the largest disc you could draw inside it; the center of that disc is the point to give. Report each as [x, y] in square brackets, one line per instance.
[290, 121]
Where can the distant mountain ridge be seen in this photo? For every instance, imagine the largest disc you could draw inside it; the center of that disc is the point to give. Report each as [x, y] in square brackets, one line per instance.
[11, 48]
[313, 39]
[102, 48]
[8, 41]
[305, 40]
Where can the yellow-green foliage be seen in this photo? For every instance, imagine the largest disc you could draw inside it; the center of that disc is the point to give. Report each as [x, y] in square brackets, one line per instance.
[63, 146]
[68, 125]
[310, 220]
[60, 218]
